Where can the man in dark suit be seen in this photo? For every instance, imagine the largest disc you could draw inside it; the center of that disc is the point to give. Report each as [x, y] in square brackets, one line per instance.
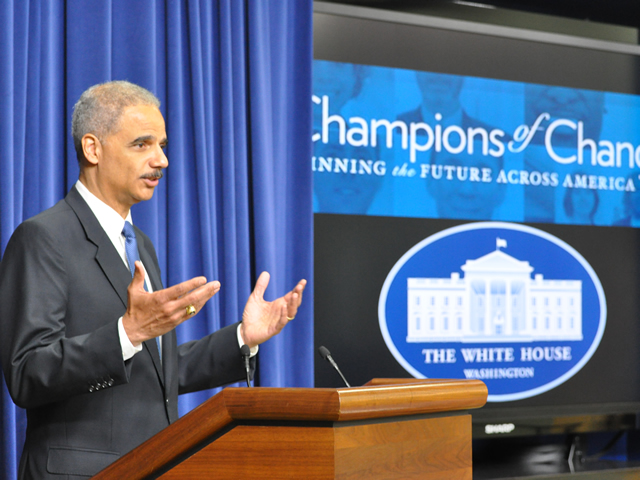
[80, 313]
[458, 199]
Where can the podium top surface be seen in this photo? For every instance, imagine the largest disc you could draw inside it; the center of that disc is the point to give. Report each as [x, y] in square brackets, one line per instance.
[380, 398]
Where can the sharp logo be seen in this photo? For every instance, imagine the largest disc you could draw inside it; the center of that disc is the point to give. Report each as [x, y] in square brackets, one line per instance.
[500, 428]
[505, 303]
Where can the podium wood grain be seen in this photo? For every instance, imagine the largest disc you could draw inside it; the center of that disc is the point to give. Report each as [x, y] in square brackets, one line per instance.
[406, 430]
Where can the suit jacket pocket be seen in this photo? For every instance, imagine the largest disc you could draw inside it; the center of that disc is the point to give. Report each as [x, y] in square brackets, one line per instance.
[78, 461]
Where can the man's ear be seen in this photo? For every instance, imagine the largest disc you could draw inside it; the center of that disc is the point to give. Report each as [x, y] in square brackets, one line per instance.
[91, 148]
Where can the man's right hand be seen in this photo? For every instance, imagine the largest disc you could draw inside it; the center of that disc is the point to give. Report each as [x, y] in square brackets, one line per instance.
[150, 315]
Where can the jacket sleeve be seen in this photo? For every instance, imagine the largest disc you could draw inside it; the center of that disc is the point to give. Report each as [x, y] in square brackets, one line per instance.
[41, 363]
[209, 362]
[212, 361]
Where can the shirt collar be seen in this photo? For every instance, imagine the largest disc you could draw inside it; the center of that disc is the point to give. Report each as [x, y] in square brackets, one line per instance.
[110, 220]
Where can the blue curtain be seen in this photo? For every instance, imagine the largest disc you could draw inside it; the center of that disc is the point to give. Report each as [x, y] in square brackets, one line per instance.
[234, 79]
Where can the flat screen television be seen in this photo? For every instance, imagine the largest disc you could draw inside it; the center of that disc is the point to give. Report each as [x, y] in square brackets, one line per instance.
[475, 191]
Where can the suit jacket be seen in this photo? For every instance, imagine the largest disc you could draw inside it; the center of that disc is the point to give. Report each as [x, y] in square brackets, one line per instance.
[63, 287]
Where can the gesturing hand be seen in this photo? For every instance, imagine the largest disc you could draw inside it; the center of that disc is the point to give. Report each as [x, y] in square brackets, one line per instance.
[150, 315]
[261, 320]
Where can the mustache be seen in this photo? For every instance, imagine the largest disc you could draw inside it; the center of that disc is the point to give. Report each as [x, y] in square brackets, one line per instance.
[156, 174]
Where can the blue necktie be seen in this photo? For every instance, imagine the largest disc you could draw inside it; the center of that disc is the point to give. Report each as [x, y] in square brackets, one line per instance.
[131, 249]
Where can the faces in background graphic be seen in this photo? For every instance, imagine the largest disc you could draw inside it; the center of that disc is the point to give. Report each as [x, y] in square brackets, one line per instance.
[581, 205]
[466, 199]
[577, 105]
[339, 81]
[573, 104]
[440, 92]
[339, 192]
[631, 203]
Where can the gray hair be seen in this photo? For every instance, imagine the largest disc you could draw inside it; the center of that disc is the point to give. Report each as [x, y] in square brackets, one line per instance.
[100, 107]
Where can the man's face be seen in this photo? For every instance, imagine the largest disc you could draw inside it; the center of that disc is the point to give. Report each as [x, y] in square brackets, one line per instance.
[585, 106]
[132, 159]
[584, 201]
[337, 80]
[345, 192]
[440, 92]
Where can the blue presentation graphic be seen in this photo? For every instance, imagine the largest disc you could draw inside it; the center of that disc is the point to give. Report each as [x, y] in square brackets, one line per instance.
[504, 303]
[403, 143]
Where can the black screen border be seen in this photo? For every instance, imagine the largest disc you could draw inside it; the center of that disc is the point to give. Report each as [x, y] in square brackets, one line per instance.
[341, 34]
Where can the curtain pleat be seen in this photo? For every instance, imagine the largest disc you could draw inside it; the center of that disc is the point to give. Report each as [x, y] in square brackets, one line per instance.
[281, 84]
[234, 79]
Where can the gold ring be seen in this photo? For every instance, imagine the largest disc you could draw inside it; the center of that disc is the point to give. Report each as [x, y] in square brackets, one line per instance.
[291, 318]
[191, 310]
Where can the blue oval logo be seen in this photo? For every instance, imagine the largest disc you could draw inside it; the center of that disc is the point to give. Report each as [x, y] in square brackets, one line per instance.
[505, 303]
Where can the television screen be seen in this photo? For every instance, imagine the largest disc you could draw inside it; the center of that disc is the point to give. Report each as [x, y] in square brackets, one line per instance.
[476, 199]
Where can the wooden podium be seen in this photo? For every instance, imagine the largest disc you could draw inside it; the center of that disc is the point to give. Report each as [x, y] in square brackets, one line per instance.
[389, 428]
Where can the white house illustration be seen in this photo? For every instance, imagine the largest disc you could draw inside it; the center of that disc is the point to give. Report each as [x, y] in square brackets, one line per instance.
[496, 301]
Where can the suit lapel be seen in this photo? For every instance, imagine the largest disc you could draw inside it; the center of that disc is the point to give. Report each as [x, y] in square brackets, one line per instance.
[156, 284]
[152, 347]
[149, 262]
[107, 257]
[112, 265]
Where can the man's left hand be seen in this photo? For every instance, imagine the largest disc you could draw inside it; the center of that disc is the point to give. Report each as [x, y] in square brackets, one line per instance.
[261, 320]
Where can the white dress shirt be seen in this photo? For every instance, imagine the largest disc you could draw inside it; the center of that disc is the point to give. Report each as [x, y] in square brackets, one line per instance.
[112, 223]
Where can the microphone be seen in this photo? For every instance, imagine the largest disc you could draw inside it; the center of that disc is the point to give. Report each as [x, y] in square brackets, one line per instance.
[326, 355]
[246, 354]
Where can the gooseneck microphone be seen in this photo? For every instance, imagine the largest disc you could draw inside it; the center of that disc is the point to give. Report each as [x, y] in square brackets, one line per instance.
[246, 354]
[325, 354]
